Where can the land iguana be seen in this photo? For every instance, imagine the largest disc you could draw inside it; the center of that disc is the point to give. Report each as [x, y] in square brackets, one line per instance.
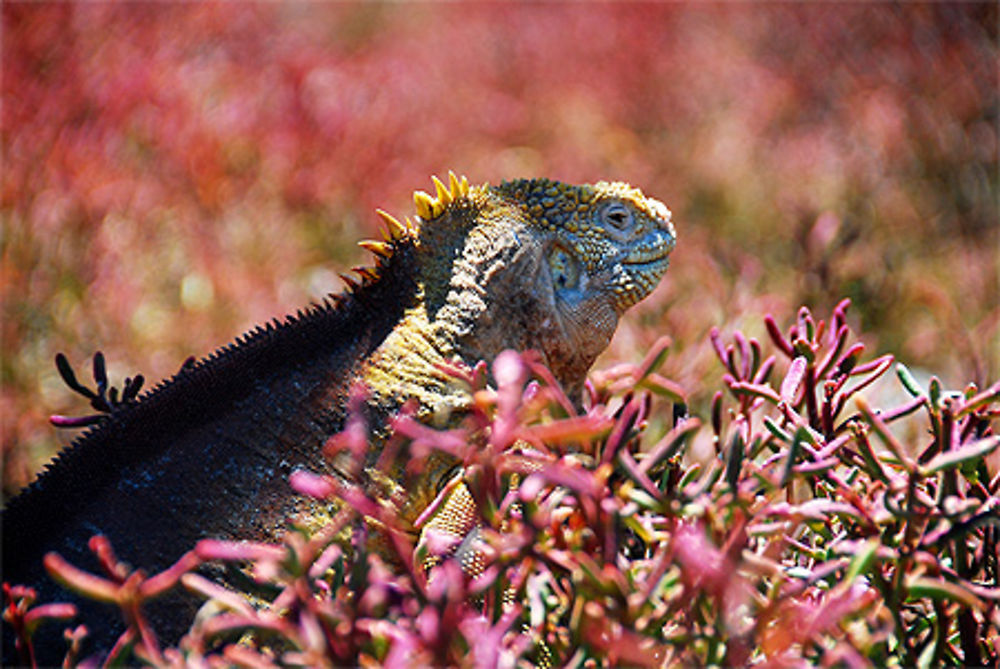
[529, 264]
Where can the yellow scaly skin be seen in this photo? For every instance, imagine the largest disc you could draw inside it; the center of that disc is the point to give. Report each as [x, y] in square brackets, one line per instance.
[577, 257]
[530, 264]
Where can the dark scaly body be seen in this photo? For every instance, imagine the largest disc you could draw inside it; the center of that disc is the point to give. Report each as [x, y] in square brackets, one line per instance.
[529, 264]
[207, 453]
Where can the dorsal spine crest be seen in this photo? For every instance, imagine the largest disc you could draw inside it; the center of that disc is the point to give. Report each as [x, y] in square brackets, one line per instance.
[395, 232]
[430, 206]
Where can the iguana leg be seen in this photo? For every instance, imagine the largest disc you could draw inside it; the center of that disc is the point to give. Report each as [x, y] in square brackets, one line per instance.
[451, 529]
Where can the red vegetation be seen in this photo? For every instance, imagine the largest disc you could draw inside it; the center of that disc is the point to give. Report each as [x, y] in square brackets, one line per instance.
[798, 526]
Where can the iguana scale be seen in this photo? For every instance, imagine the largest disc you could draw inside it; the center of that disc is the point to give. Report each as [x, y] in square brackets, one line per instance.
[528, 264]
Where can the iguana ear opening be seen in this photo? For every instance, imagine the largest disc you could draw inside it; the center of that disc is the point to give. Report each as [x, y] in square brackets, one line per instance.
[563, 268]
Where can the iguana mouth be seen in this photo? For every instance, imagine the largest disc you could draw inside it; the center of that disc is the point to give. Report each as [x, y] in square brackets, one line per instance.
[652, 248]
[652, 264]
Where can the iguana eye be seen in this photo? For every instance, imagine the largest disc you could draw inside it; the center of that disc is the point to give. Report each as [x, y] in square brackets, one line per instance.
[617, 216]
[563, 268]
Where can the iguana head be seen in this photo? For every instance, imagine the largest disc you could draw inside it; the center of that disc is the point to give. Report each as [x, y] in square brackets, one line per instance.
[598, 250]
[605, 239]
[533, 264]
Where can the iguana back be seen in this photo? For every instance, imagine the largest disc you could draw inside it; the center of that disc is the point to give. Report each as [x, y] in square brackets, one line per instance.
[528, 264]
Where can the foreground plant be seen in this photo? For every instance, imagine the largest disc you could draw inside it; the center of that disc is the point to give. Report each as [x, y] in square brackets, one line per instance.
[799, 526]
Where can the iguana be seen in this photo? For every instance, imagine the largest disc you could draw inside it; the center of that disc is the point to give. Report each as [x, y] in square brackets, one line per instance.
[529, 264]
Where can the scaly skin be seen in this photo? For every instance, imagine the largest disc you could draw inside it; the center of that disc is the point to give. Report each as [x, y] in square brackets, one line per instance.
[530, 264]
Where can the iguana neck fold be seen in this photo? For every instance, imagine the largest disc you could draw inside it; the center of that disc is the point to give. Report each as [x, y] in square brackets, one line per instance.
[463, 305]
[409, 365]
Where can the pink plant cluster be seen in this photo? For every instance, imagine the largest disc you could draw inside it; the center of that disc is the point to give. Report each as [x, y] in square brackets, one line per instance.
[794, 524]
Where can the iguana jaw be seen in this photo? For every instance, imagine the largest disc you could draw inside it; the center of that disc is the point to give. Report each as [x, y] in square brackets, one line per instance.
[575, 332]
[653, 247]
[644, 276]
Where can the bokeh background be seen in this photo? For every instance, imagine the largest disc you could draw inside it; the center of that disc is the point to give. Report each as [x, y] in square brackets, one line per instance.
[174, 174]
